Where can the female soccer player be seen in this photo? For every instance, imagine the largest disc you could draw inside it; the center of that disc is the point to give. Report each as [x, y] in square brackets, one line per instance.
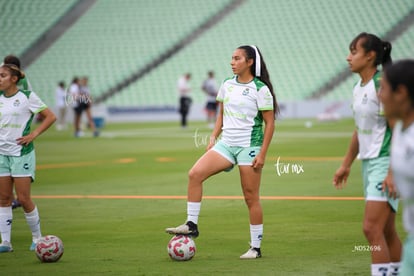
[17, 155]
[397, 96]
[246, 102]
[371, 143]
[24, 84]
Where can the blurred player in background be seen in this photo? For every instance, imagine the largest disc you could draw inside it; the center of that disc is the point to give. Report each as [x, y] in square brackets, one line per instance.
[247, 104]
[60, 101]
[397, 95]
[86, 103]
[210, 87]
[17, 155]
[371, 143]
[184, 91]
[74, 91]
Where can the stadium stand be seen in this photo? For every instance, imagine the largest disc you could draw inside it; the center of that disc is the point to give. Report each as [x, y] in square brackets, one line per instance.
[23, 22]
[111, 41]
[305, 44]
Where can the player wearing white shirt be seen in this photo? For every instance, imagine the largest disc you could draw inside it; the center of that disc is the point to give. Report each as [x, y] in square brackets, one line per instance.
[61, 102]
[17, 155]
[184, 91]
[210, 87]
[246, 122]
[371, 143]
[397, 95]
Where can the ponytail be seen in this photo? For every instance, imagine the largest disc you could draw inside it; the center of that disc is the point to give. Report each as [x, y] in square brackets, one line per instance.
[259, 70]
[386, 53]
[371, 42]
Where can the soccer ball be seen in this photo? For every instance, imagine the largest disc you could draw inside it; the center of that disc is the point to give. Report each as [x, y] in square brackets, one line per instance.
[181, 248]
[49, 249]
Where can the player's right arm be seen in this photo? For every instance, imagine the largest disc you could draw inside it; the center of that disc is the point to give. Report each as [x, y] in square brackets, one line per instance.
[342, 173]
[217, 128]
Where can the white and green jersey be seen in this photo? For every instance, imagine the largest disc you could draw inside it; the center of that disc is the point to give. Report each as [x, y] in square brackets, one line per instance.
[242, 106]
[402, 165]
[374, 135]
[16, 115]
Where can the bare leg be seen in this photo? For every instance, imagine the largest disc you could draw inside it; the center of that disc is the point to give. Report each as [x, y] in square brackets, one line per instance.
[209, 164]
[376, 216]
[250, 181]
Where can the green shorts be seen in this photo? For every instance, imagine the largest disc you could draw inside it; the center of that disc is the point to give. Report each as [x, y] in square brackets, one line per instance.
[374, 172]
[407, 263]
[237, 155]
[18, 166]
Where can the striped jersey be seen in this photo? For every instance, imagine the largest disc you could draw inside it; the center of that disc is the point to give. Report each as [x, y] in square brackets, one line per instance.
[402, 164]
[16, 115]
[374, 134]
[242, 106]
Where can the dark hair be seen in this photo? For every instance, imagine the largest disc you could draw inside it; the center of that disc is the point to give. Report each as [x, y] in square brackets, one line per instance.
[11, 59]
[401, 73]
[264, 74]
[14, 71]
[371, 42]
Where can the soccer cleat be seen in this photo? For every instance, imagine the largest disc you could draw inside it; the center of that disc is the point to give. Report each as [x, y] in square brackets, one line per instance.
[252, 253]
[32, 246]
[188, 229]
[16, 204]
[6, 247]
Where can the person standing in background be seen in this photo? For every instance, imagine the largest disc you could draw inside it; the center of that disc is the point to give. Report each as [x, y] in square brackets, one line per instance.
[184, 90]
[86, 103]
[60, 96]
[210, 87]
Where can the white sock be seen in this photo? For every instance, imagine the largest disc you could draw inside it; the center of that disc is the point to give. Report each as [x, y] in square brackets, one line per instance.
[394, 269]
[193, 211]
[6, 218]
[256, 235]
[33, 221]
[380, 269]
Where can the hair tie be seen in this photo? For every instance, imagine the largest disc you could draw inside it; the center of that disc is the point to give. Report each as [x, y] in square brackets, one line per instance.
[258, 62]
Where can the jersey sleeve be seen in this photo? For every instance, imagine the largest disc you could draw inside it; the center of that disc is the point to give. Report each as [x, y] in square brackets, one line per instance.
[221, 93]
[36, 105]
[264, 99]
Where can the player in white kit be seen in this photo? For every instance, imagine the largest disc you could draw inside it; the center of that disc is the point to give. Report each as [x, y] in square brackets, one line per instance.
[397, 96]
[247, 105]
[17, 155]
[371, 142]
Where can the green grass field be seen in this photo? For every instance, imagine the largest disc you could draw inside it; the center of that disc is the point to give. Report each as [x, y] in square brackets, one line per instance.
[125, 236]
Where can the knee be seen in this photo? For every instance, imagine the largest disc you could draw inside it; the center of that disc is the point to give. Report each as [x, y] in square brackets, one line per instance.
[251, 199]
[5, 200]
[372, 231]
[195, 175]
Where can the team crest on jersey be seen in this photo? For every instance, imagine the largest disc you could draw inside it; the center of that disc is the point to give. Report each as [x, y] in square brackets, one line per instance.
[365, 99]
[16, 103]
[230, 88]
[245, 92]
[409, 153]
